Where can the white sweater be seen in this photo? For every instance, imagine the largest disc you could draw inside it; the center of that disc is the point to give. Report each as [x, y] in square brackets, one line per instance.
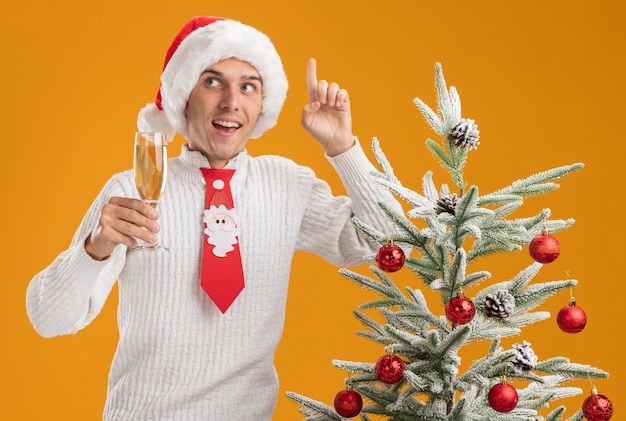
[179, 357]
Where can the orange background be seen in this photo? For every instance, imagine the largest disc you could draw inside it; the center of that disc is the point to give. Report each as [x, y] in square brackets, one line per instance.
[543, 80]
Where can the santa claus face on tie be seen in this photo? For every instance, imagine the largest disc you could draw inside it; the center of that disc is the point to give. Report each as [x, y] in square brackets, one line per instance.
[220, 222]
[221, 229]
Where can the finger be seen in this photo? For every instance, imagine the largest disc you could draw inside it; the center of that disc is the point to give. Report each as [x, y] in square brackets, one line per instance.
[106, 237]
[131, 217]
[128, 232]
[110, 232]
[136, 205]
[331, 95]
[127, 221]
[322, 91]
[113, 231]
[311, 79]
[308, 112]
[342, 98]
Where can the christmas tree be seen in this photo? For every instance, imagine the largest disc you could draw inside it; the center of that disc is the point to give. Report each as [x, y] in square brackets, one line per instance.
[443, 232]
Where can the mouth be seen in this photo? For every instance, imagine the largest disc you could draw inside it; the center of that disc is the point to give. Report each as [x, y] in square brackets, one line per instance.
[226, 126]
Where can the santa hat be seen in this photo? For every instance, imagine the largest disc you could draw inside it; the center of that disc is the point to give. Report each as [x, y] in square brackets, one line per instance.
[220, 198]
[202, 42]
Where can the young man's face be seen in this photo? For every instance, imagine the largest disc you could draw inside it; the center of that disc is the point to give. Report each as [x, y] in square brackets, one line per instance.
[223, 108]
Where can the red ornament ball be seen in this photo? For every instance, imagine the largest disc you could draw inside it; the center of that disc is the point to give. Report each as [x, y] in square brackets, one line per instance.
[348, 403]
[502, 397]
[390, 258]
[597, 408]
[460, 310]
[544, 248]
[389, 369]
[571, 319]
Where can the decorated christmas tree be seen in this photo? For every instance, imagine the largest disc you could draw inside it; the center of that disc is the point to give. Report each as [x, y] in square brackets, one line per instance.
[443, 233]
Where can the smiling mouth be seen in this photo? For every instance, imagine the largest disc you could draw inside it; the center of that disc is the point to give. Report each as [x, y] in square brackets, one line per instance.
[229, 125]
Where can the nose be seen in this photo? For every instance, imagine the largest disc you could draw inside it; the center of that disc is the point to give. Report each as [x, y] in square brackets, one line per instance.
[230, 98]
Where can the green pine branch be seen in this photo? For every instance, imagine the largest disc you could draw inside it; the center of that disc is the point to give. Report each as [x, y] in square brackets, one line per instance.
[539, 183]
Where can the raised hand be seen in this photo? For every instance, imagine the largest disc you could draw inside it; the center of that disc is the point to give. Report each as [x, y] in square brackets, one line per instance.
[327, 116]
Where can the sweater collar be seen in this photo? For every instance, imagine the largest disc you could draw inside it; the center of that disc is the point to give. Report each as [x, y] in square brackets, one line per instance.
[198, 160]
[191, 161]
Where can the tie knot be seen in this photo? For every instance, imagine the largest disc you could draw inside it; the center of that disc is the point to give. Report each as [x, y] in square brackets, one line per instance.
[211, 174]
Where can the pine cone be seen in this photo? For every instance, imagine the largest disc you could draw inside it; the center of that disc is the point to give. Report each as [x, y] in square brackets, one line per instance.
[499, 304]
[525, 360]
[465, 134]
[446, 204]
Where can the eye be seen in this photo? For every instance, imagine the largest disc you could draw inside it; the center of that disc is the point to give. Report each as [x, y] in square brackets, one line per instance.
[248, 87]
[211, 81]
[252, 85]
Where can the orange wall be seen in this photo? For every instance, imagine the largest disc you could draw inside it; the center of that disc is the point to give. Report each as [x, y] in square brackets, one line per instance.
[543, 80]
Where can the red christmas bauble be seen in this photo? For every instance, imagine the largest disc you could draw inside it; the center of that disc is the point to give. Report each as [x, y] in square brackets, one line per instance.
[348, 403]
[598, 408]
[571, 319]
[389, 369]
[390, 258]
[502, 397]
[460, 310]
[544, 248]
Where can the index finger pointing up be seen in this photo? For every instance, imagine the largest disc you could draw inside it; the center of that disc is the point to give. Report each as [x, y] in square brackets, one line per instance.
[311, 79]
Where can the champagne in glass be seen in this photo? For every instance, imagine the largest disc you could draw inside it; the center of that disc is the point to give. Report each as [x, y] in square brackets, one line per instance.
[150, 166]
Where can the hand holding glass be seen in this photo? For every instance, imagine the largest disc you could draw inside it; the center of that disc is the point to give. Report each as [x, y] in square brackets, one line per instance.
[150, 166]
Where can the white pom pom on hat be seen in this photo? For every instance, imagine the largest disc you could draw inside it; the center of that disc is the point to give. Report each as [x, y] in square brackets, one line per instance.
[202, 42]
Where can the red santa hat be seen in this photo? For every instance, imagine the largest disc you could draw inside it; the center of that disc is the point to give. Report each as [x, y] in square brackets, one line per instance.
[220, 198]
[202, 42]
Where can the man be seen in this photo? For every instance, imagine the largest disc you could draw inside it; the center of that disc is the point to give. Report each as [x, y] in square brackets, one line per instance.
[185, 351]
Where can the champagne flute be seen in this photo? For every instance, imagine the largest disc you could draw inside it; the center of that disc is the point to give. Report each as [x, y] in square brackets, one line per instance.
[150, 167]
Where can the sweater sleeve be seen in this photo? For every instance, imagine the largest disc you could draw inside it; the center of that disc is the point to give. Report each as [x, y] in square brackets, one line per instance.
[327, 227]
[68, 294]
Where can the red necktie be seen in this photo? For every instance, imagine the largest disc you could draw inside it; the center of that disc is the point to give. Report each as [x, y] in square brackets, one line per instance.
[222, 273]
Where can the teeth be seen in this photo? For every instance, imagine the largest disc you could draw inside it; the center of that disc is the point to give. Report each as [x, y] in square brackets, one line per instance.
[227, 123]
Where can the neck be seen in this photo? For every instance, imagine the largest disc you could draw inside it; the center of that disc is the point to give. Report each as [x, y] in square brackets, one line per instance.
[217, 164]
